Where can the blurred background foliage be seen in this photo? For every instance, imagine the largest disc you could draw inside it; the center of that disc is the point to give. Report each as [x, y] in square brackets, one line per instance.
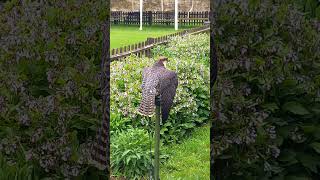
[267, 97]
[50, 96]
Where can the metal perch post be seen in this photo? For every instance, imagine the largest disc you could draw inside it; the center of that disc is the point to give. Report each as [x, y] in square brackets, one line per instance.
[157, 139]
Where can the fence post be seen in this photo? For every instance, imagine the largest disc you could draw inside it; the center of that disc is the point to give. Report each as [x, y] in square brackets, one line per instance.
[150, 17]
[157, 139]
[150, 41]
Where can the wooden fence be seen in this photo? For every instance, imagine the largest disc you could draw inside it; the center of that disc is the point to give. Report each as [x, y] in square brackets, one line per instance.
[159, 17]
[144, 48]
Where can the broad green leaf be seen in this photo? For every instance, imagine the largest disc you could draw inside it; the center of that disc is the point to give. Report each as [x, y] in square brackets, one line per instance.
[288, 156]
[309, 128]
[316, 134]
[295, 108]
[309, 161]
[290, 177]
[279, 140]
[316, 146]
[318, 12]
[316, 109]
[310, 7]
[126, 152]
[271, 106]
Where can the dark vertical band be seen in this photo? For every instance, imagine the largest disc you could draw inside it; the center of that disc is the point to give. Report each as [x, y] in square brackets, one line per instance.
[101, 148]
[213, 78]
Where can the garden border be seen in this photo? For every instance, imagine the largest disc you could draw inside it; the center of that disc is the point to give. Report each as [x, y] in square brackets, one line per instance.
[144, 48]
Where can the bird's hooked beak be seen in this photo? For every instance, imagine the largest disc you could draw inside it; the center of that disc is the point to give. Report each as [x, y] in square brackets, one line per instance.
[165, 64]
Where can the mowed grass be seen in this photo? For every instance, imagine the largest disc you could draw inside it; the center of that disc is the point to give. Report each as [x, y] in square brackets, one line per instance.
[190, 159]
[123, 35]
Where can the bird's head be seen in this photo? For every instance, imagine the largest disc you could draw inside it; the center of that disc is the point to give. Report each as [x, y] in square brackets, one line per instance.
[163, 60]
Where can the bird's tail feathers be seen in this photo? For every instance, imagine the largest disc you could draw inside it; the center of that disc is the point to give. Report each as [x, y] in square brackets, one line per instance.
[147, 106]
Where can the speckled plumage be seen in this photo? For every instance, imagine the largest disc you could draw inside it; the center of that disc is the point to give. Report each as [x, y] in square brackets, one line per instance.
[157, 80]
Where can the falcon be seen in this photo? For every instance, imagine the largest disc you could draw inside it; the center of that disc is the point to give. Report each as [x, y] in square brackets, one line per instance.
[158, 81]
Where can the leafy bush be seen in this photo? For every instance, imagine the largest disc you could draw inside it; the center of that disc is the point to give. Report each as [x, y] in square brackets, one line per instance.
[196, 48]
[21, 171]
[267, 99]
[191, 105]
[311, 7]
[130, 153]
[49, 76]
[118, 123]
[191, 102]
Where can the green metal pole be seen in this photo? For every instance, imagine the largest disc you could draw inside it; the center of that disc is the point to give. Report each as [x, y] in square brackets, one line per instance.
[157, 140]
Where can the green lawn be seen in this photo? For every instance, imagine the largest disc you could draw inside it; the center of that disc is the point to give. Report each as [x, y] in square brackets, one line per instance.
[190, 159]
[123, 35]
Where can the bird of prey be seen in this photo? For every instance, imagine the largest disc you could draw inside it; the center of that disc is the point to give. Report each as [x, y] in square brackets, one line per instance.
[158, 81]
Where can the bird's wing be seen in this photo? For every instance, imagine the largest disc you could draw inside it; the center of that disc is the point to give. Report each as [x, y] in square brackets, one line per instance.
[147, 104]
[168, 86]
[146, 73]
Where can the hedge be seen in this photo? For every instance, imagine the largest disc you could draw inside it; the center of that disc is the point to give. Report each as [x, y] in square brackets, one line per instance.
[267, 96]
[130, 152]
[50, 97]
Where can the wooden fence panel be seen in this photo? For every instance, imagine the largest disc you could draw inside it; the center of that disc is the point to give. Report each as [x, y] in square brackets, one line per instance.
[158, 17]
[144, 48]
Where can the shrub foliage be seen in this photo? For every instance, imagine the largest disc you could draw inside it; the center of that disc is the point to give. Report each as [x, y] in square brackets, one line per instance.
[131, 154]
[267, 96]
[49, 76]
[191, 101]
[130, 148]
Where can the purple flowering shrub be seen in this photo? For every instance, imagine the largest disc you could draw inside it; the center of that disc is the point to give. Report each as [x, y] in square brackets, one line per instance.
[267, 95]
[50, 55]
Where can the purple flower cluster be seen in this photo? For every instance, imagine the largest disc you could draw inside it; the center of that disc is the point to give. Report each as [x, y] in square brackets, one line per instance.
[7, 146]
[272, 132]
[3, 106]
[39, 97]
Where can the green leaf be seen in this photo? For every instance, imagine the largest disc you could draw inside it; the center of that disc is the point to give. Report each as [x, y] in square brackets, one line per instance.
[289, 83]
[125, 153]
[316, 109]
[225, 157]
[295, 108]
[271, 106]
[285, 131]
[203, 96]
[163, 130]
[310, 7]
[316, 134]
[188, 125]
[290, 177]
[288, 156]
[309, 161]
[318, 13]
[309, 129]
[316, 146]
[279, 140]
